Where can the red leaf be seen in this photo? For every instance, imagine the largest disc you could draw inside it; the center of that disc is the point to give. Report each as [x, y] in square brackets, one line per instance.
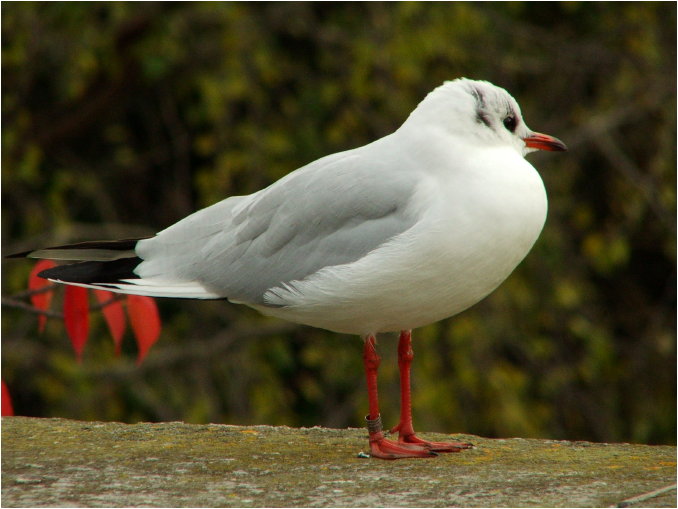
[76, 317]
[40, 300]
[114, 315]
[7, 408]
[145, 321]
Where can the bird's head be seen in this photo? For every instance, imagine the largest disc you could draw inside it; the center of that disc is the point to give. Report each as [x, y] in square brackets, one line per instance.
[482, 112]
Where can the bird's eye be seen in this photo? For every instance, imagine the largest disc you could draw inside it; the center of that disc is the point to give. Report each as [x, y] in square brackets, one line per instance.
[510, 123]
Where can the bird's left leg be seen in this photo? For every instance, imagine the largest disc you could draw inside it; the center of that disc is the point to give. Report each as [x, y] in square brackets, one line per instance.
[380, 446]
[404, 428]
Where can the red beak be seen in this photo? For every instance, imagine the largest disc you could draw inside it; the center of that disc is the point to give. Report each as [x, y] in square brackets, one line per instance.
[544, 142]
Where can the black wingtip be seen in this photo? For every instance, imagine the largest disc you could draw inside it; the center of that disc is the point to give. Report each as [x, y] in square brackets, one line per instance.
[109, 245]
[94, 272]
[23, 254]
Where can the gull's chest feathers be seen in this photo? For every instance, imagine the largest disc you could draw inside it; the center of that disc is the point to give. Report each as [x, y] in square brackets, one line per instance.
[486, 220]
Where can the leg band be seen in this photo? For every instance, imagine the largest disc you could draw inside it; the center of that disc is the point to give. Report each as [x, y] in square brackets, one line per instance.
[373, 425]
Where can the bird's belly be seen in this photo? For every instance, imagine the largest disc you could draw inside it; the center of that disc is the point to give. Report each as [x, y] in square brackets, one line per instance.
[435, 270]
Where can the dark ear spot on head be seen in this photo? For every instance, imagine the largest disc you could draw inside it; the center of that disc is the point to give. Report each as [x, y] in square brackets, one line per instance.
[481, 116]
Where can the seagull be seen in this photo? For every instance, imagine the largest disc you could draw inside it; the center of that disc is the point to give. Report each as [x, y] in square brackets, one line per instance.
[405, 231]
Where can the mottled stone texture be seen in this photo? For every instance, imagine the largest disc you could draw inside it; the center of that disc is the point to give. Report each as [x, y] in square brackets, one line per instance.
[59, 462]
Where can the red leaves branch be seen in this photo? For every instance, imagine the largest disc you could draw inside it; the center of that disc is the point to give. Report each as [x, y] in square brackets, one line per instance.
[76, 317]
[114, 315]
[145, 320]
[6, 401]
[40, 300]
[142, 312]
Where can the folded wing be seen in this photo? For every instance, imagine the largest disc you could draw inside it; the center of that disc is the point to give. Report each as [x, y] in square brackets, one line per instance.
[331, 212]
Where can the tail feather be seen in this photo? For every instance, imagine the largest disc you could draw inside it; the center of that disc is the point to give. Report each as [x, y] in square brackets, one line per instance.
[152, 288]
[94, 271]
[98, 250]
[110, 265]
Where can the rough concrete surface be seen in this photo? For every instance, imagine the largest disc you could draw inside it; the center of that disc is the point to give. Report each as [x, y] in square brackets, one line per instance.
[59, 462]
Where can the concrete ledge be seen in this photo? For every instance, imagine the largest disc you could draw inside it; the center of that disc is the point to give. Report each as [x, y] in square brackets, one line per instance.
[59, 462]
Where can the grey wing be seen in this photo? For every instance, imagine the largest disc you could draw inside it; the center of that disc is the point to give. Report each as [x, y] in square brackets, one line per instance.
[331, 212]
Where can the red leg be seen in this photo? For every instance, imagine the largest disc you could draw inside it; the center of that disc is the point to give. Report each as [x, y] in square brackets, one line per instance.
[404, 428]
[380, 447]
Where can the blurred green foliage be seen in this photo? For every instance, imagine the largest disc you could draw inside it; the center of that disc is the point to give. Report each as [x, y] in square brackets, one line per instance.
[121, 118]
